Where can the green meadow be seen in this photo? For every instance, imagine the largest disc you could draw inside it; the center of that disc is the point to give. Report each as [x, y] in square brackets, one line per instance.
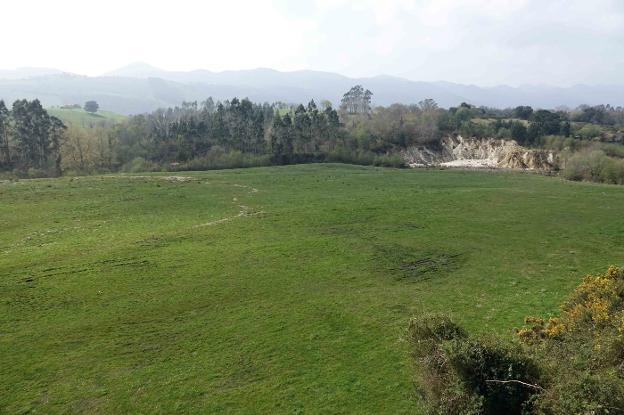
[78, 117]
[273, 290]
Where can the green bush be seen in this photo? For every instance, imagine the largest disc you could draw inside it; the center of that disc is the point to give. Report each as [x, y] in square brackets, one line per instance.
[365, 158]
[457, 374]
[217, 158]
[572, 363]
[594, 166]
[581, 392]
[589, 131]
[558, 143]
[588, 335]
[613, 149]
[492, 371]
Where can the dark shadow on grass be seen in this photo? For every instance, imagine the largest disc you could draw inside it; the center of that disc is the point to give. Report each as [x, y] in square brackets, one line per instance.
[409, 264]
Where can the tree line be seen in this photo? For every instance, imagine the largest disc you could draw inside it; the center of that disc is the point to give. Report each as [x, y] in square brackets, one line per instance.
[308, 131]
[240, 133]
[30, 138]
[206, 134]
[527, 125]
[196, 130]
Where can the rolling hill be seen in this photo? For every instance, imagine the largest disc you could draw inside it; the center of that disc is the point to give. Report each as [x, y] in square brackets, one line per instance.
[141, 88]
[81, 118]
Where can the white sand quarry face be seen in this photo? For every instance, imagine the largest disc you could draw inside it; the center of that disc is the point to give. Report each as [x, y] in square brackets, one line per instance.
[457, 151]
[477, 164]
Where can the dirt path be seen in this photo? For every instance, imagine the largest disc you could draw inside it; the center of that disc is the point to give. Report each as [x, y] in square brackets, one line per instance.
[166, 178]
[244, 212]
[251, 189]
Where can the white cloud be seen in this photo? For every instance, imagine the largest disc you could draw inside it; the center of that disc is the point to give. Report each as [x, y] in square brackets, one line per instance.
[476, 41]
[90, 37]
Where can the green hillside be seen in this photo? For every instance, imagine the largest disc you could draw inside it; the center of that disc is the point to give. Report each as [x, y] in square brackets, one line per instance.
[273, 290]
[80, 118]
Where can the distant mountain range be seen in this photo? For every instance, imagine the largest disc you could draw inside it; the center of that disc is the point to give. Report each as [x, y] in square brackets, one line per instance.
[139, 88]
[24, 73]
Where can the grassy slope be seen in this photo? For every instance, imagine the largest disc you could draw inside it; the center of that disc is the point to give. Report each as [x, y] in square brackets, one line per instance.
[112, 301]
[81, 118]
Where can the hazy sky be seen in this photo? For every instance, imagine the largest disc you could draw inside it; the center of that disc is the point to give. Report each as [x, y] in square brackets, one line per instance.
[484, 42]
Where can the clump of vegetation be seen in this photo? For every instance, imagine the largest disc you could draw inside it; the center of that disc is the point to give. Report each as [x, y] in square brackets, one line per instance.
[30, 139]
[458, 374]
[218, 158]
[588, 335]
[365, 158]
[594, 166]
[572, 363]
[91, 106]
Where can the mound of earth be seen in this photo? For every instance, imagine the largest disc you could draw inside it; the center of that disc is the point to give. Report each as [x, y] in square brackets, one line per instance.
[456, 151]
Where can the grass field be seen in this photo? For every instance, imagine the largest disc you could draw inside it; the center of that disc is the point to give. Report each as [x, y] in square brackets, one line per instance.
[81, 118]
[273, 290]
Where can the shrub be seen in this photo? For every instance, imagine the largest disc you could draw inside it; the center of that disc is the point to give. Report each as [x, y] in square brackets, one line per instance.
[499, 374]
[366, 158]
[594, 166]
[588, 335]
[217, 158]
[462, 375]
[590, 131]
[437, 384]
[558, 143]
[572, 363]
[613, 150]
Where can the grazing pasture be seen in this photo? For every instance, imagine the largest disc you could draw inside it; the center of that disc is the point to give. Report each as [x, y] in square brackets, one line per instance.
[273, 290]
[78, 117]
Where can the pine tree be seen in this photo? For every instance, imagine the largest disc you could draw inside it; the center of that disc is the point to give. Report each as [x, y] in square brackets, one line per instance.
[5, 154]
[24, 136]
[302, 126]
[57, 135]
[277, 145]
[316, 130]
[287, 136]
[40, 122]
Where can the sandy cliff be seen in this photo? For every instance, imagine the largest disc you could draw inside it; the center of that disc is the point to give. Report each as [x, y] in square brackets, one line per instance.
[457, 151]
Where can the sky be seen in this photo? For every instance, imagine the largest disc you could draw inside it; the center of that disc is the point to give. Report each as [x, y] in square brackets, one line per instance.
[481, 42]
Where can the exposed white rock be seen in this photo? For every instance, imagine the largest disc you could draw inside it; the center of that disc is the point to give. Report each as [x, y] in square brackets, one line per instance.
[456, 151]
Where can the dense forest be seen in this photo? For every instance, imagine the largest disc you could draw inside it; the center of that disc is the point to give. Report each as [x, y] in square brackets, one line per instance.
[240, 133]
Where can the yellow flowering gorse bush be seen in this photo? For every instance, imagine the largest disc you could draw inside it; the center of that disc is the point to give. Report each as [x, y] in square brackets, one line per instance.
[597, 303]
